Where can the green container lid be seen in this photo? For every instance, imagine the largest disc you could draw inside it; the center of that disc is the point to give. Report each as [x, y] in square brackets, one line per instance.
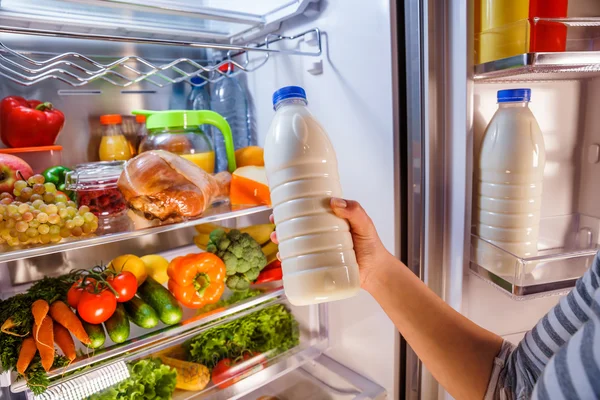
[188, 119]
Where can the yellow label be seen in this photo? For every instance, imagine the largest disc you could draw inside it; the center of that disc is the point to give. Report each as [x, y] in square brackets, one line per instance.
[206, 160]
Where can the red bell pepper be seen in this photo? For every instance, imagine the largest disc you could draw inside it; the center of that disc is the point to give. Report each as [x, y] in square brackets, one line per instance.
[270, 273]
[29, 123]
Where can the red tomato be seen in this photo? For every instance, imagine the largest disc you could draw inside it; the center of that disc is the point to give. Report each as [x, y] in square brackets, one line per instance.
[95, 308]
[125, 284]
[228, 372]
[76, 290]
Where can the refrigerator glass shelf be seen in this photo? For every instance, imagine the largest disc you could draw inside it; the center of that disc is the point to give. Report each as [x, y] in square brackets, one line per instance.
[322, 378]
[222, 21]
[566, 249]
[519, 58]
[128, 226]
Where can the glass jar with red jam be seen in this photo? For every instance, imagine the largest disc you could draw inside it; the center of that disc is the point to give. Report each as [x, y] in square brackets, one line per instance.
[95, 185]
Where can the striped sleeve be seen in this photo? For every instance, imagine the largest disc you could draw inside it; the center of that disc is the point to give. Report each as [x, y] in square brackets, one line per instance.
[547, 344]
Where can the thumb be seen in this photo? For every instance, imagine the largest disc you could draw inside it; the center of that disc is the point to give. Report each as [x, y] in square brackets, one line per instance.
[359, 221]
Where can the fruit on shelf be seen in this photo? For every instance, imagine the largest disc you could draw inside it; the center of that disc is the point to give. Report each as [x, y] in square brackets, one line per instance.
[251, 155]
[249, 187]
[29, 123]
[130, 263]
[166, 186]
[156, 267]
[38, 213]
[10, 167]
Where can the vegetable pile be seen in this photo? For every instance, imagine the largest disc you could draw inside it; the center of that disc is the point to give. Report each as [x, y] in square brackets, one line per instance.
[149, 379]
[242, 255]
[28, 328]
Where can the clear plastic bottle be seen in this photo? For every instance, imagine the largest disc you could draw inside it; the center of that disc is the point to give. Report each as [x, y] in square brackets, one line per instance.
[315, 245]
[229, 99]
[199, 98]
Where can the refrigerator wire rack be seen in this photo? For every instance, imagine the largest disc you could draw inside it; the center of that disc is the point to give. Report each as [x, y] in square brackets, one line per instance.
[76, 69]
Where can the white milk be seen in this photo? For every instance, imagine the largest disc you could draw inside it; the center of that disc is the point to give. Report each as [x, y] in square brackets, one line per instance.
[508, 180]
[318, 260]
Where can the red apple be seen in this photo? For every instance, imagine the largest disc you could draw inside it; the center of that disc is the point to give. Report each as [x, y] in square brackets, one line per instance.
[9, 165]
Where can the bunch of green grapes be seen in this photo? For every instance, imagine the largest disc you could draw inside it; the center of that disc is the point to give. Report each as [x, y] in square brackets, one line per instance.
[36, 213]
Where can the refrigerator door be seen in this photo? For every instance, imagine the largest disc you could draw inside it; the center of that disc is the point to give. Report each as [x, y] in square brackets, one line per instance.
[351, 92]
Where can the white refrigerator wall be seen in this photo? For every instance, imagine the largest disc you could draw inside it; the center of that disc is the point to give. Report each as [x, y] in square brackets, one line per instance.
[352, 99]
[563, 112]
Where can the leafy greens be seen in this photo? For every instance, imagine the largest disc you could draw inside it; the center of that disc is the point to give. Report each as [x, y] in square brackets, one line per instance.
[150, 380]
[271, 328]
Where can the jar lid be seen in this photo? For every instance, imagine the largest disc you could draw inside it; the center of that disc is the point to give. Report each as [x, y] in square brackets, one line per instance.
[95, 175]
[176, 118]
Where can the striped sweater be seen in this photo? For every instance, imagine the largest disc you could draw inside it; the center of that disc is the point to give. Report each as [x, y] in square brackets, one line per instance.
[560, 357]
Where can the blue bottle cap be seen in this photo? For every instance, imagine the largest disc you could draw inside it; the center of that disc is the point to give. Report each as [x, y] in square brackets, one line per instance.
[288, 92]
[514, 95]
[197, 80]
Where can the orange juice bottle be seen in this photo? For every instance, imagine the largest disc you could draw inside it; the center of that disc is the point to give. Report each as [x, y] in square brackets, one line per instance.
[114, 145]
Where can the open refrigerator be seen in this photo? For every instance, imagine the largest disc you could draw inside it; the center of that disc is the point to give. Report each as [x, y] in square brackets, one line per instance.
[95, 57]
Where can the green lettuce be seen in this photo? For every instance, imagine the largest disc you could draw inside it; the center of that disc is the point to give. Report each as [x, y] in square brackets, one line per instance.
[272, 328]
[150, 380]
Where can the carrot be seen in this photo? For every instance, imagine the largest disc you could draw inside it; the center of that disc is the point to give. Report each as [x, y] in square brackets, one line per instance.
[63, 339]
[45, 342]
[26, 354]
[8, 325]
[61, 313]
[39, 309]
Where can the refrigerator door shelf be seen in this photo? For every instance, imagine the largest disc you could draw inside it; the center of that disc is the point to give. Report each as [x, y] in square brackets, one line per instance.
[579, 60]
[566, 248]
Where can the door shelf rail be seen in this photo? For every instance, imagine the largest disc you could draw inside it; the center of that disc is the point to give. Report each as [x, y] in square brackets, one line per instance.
[76, 69]
[540, 67]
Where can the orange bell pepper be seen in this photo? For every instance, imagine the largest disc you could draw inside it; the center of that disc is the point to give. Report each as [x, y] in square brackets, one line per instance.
[197, 279]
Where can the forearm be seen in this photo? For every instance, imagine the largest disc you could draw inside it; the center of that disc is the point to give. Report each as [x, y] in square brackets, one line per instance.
[459, 353]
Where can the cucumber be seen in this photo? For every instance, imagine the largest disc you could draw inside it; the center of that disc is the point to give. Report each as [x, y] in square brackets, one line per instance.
[161, 300]
[96, 334]
[140, 313]
[117, 325]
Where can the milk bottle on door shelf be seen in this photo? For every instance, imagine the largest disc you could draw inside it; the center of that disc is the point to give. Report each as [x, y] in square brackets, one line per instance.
[318, 260]
[508, 180]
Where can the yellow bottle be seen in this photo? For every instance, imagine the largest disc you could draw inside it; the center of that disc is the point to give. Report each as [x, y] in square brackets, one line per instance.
[114, 145]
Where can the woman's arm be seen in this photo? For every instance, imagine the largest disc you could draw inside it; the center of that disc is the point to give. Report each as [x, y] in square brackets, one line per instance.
[459, 353]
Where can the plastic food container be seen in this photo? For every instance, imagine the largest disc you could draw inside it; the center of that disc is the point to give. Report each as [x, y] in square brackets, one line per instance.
[95, 185]
[38, 158]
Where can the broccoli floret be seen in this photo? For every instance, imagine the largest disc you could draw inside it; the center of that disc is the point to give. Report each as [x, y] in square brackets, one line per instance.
[242, 255]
